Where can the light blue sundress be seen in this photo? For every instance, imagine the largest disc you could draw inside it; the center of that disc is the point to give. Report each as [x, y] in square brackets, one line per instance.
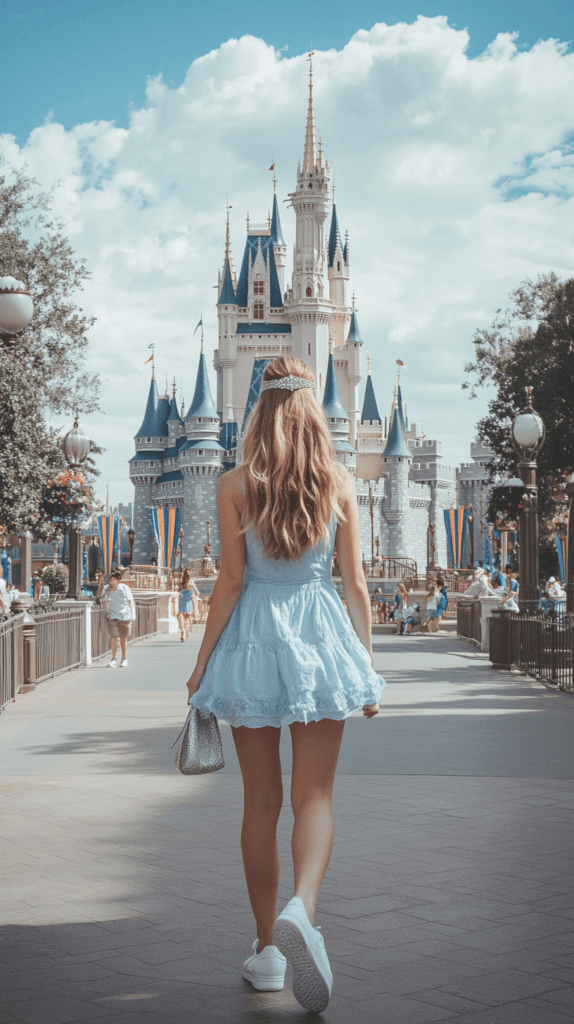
[289, 652]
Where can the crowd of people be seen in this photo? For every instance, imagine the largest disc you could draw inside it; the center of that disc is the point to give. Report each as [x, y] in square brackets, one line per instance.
[407, 614]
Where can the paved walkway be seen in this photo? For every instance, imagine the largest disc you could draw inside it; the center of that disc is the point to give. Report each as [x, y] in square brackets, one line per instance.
[449, 896]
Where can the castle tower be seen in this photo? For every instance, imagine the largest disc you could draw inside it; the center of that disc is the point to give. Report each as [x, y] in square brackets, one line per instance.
[370, 443]
[338, 420]
[174, 421]
[338, 271]
[146, 467]
[308, 308]
[397, 459]
[201, 463]
[227, 317]
[279, 247]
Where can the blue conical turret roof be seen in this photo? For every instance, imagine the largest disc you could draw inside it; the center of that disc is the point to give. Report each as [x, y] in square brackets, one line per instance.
[202, 403]
[332, 404]
[370, 408]
[254, 387]
[334, 236]
[174, 416]
[162, 415]
[227, 297]
[396, 445]
[149, 427]
[354, 332]
[400, 409]
[276, 232]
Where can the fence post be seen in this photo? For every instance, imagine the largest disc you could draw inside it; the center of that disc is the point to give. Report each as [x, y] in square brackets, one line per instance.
[29, 641]
[499, 640]
[88, 634]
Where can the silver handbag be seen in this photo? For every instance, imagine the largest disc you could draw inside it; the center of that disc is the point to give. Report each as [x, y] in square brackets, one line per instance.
[200, 750]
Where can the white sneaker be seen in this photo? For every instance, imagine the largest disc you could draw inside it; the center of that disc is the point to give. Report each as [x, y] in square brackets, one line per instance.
[113, 663]
[304, 947]
[124, 663]
[265, 970]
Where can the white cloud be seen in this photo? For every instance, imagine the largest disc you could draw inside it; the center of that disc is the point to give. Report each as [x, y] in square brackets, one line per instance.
[454, 177]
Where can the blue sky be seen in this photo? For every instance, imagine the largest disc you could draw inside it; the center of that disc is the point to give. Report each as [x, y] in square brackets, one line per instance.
[84, 60]
[453, 144]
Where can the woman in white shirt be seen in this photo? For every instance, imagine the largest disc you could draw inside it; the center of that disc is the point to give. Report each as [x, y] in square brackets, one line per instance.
[121, 612]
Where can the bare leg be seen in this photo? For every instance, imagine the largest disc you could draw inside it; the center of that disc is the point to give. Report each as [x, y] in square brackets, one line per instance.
[124, 646]
[315, 753]
[181, 623]
[258, 753]
[114, 645]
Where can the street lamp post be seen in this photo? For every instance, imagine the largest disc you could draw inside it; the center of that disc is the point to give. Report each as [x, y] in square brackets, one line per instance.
[76, 447]
[528, 434]
[570, 544]
[16, 309]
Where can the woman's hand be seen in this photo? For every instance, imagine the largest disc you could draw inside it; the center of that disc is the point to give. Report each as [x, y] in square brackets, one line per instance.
[369, 710]
[195, 678]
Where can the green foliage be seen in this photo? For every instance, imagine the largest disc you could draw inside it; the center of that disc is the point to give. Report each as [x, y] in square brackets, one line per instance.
[56, 577]
[42, 374]
[531, 343]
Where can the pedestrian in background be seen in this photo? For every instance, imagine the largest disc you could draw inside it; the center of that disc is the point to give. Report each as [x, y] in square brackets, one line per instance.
[432, 613]
[187, 591]
[443, 599]
[279, 649]
[120, 612]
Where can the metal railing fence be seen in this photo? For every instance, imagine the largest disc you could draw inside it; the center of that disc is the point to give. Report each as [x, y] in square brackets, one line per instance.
[542, 648]
[60, 642]
[468, 613]
[11, 659]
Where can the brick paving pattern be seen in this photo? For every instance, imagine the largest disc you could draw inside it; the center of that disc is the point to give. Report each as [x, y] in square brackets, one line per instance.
[449, 893]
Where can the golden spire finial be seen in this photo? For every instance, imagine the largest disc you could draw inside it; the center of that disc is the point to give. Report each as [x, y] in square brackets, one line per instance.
[353, 301]
[310, 153]
[174, 388]
[368, 364]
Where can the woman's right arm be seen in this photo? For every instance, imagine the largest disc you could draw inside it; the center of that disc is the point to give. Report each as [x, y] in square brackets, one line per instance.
[348, 549]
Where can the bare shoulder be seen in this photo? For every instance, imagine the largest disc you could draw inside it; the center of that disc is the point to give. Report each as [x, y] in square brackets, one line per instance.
[346, 494]
[230, 483]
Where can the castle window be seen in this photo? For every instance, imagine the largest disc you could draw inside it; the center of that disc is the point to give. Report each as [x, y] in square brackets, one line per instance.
[309, 349]
[339, 265]
[258, 311]
[148, 438]
[308, 291]
[310, 184]
[259, 287]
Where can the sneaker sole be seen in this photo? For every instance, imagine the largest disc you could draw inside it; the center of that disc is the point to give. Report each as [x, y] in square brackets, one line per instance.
[309, 986]
[276, 984]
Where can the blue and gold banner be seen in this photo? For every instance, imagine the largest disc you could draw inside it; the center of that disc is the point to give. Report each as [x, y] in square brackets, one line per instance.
[456, 525]
[561, 549]
[108, 527]
[166, 525]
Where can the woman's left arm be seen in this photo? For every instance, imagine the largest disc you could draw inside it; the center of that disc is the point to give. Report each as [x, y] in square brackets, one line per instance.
[229, 582]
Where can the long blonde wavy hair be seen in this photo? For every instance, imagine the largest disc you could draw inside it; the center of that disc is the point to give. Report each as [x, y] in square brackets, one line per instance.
[291, 479]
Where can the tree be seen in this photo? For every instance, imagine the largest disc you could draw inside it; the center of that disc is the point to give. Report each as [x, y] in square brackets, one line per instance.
[42, 375]
[531, 343]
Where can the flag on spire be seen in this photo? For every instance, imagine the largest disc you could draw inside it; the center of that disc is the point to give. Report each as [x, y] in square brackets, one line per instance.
[200, 324]
[152, 346]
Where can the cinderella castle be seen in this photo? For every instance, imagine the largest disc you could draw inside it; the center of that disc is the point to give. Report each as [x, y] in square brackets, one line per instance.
[402, 485]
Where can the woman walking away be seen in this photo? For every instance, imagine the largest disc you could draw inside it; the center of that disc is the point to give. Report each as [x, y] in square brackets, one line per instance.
[279, 649]
[442, 601]
[185, 604]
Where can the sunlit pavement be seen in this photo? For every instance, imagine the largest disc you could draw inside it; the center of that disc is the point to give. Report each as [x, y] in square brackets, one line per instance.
[449, 893]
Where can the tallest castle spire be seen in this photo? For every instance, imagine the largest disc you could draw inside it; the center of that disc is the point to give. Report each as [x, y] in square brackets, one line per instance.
[310, 154]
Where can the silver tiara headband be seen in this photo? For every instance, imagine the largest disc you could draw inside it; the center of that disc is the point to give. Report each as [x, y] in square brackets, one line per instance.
[289, 383]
